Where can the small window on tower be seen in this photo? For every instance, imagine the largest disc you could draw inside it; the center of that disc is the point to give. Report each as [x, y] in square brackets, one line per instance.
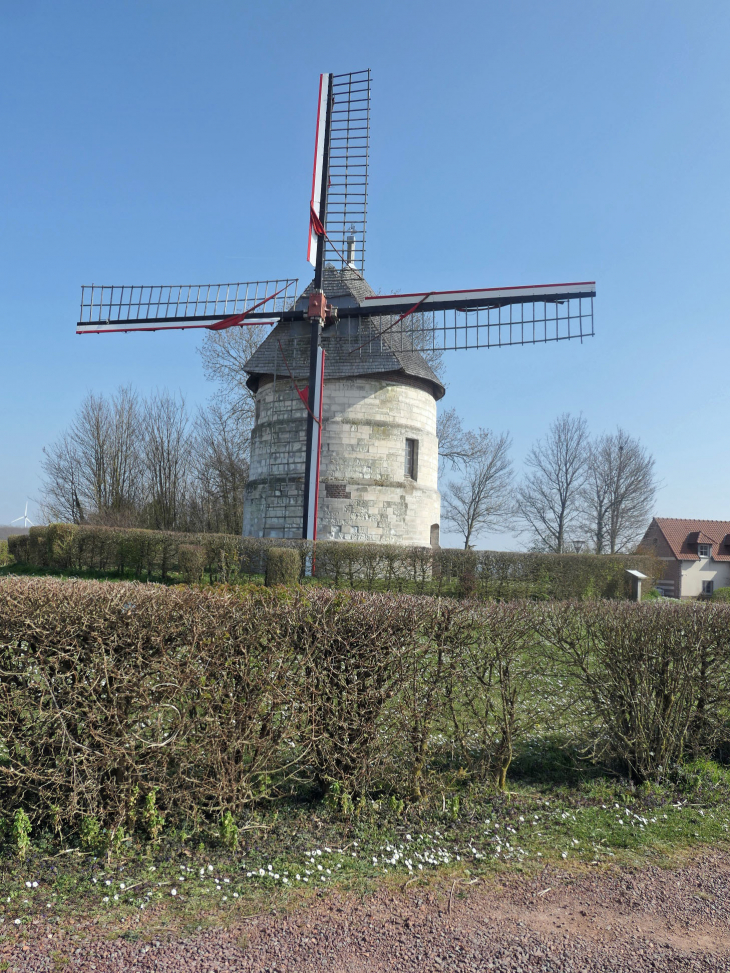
[412, 459]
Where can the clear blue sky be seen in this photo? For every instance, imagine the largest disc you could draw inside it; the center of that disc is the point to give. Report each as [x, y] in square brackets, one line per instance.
[512, 143]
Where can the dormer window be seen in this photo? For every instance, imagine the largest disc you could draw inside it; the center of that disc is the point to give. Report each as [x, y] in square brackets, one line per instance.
[704, 550]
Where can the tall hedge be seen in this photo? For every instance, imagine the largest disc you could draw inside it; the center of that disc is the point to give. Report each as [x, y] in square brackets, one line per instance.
[214, 698]
[371, 567]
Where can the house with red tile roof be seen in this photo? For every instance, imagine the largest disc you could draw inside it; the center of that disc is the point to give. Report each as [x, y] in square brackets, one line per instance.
[696, 555]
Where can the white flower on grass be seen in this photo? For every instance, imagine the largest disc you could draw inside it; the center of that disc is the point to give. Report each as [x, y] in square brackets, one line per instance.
[105, 899]
[122, 885]
[210, 868]
[173, 892]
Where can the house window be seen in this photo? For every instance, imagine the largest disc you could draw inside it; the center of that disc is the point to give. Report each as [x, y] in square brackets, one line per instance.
[412, 459]
[707, 587]
[704, 550]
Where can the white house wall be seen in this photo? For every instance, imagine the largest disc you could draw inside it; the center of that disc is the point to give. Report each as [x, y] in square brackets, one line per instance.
[695, 572]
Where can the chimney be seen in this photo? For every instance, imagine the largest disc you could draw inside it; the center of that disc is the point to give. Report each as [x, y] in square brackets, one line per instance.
[351, 248]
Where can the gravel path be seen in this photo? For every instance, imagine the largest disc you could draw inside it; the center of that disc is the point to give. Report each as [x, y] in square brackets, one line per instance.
[624, 920]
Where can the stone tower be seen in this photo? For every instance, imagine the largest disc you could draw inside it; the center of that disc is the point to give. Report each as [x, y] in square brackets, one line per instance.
[379, 460]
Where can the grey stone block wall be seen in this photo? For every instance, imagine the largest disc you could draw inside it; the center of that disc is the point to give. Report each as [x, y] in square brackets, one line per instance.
[365, 494]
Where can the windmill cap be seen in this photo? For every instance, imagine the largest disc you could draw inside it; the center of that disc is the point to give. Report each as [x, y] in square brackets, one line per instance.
[347, 344]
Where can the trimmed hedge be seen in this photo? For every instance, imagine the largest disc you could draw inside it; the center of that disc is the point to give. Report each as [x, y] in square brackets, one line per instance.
[370, 567]
[191, 558]
[282, 566]
[210, 699]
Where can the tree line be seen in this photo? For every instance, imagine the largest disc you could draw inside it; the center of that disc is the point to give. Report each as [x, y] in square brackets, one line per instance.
[577, 493]
[132, 461]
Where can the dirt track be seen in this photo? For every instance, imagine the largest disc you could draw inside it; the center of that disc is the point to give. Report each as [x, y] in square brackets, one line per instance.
[632, 920]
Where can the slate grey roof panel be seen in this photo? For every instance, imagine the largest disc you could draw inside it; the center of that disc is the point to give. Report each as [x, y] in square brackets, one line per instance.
[353, 346]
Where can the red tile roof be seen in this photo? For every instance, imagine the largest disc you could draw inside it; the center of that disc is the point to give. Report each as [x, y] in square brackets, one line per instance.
[684, 535]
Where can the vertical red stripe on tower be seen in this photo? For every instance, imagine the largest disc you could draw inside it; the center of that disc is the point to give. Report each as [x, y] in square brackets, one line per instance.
[315, 202]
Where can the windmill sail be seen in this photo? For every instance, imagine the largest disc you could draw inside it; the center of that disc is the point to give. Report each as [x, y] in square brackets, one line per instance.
[343, 213]
[483, 318]
[160, 307]
[315, 204]
[347, 198]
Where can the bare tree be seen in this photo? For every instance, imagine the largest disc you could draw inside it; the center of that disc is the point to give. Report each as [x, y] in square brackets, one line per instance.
[548, 502]
[60, 498]
[481, 500]
[619, 492]
[111, 467]
[94, 471]
[453, 449]
[224, 353]
[220, 470]
[167, 455]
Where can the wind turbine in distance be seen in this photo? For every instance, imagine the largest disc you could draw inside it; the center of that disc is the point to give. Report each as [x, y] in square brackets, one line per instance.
[24, 518]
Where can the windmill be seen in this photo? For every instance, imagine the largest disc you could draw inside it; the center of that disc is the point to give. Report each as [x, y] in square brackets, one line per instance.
[374, 344]
[26, 521]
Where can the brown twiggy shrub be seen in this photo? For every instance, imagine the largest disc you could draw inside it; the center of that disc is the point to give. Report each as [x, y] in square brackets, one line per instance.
[112, 690]
[493, 693]
[654, 678]
[353, 654]
[430, 665]
[204, 700]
